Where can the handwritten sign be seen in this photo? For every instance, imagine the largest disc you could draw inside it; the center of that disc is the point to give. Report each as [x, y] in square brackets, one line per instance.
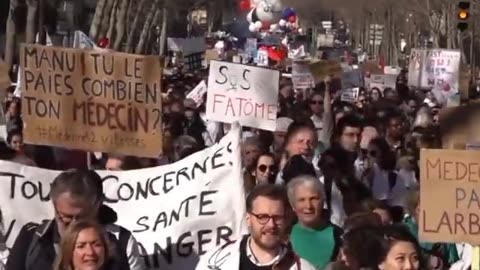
[198, 92]
[453, 176]
[301, 75]
[176, 212]
[350, 95]
[95, 101]
[242, 93]
[322, 69]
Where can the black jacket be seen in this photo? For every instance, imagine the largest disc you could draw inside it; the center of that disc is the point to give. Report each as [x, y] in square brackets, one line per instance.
[34, 247]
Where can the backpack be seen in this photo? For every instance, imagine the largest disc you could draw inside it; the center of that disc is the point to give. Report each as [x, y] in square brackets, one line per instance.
[41, 229]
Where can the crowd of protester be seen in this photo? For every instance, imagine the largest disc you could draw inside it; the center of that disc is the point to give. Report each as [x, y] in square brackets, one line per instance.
[336, 186]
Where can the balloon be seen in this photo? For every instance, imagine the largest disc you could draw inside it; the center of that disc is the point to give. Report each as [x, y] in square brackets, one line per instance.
[292, 19]
[245, 5]
[252, 28]
[282, 23]
[258, 25]
[250, 16]
[288, 12]
[274, 27]
[269, 11]
[104, 43]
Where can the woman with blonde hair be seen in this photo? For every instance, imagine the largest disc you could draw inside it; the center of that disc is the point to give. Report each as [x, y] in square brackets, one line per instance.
[85, 246]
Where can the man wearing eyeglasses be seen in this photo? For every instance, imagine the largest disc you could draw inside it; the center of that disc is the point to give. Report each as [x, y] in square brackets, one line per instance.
[75, 195]
[268, 221]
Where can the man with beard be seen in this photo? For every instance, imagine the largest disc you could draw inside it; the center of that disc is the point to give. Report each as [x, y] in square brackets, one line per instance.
[306, 195]
[268, 220]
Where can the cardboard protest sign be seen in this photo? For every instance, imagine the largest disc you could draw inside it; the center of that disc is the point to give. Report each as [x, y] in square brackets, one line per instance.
[242, 93]
[301, 76]
[95, 101]
[452, 176]
[371, 67]
[415, 62]
[322, 69]
[198, 92]
[176, 212]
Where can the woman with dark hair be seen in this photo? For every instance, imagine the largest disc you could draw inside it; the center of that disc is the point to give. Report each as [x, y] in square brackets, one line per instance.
[380, 175]
[262, 171]
[400, 250]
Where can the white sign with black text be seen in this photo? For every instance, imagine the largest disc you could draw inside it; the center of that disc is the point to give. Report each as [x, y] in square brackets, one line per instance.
[242, 93]
[176, 212]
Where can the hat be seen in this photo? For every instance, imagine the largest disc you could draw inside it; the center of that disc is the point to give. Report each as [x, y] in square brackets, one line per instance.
[283, 123]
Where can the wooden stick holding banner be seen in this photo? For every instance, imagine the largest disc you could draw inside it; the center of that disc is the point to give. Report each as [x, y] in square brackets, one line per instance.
[476, 258]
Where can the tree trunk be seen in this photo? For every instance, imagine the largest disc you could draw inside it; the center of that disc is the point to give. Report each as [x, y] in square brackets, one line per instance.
[163, 33]
[120, 27]
[31, 27]
[153, 14]
[133, 27]
[11, 38]
[107, 13]
[111, 23]
[97, 19]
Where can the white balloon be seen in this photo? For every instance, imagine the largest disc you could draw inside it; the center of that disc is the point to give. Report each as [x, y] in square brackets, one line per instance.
[269, 11]
[282, 23]
[249, 15]
[258, 25]
[273, 27]
[252, 27]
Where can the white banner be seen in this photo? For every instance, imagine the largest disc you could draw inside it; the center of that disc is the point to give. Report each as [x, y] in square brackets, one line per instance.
[441, 73]
[176, 212]
[350, 95]
[242, 93]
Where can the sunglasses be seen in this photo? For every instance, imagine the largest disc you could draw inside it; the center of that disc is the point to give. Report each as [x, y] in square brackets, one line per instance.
[263, 168]
[316, 102]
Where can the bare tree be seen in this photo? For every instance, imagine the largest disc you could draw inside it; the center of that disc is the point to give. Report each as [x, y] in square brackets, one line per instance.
[31, 29]
[120, 26]
[11, 37]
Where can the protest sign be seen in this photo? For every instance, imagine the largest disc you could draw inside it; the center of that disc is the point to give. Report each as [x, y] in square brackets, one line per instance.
[392, 70]
[262, 58]
[94, 101]
[198, 92]
[350, 95]
[82, 41]
[251, 47]
[322, 69]
[415, 62]
[187, 46]
[301, 76]
[453, 176]
[352, 79]
[242, 93]
[371, 67]
[176, 212]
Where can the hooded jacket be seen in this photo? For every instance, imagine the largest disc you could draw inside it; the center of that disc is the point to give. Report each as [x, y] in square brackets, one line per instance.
[34, 247]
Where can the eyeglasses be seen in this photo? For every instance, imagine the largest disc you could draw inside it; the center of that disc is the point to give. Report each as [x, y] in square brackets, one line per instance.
[316, 102]
[67, 219]
[263, 168]
[263, 219]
